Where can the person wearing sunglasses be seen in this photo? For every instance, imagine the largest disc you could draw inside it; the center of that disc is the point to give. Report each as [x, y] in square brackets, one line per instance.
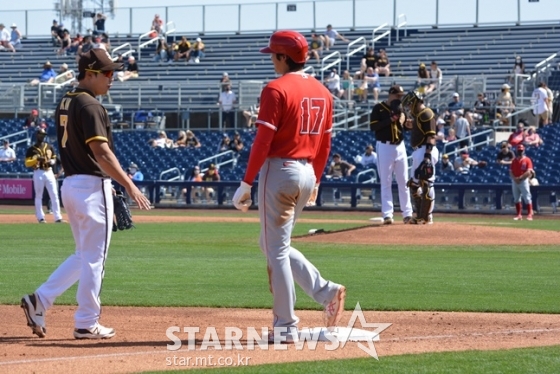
[85, 144]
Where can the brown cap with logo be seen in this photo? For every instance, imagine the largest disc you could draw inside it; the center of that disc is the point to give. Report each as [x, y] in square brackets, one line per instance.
[98, 59]
[396, 90]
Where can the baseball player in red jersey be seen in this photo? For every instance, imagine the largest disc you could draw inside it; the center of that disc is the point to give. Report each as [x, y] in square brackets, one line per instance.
[86, 152]
[520, 172]
[291, 149]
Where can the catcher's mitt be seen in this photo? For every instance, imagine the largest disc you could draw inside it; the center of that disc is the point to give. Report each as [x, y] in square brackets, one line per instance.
[425, 170]
[482, 164]
[123, 218]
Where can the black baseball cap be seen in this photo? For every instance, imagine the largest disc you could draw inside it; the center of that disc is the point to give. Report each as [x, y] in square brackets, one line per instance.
[98, 59]
[396, 90]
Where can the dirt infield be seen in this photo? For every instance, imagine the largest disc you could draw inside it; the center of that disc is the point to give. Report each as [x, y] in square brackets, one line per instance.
[141, 341]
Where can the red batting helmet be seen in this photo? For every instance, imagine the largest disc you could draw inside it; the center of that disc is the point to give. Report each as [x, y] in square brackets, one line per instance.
[290, 43]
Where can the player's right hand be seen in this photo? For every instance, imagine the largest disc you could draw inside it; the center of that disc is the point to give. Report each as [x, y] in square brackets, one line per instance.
[313, 198]
[137, 195]
[242, 198]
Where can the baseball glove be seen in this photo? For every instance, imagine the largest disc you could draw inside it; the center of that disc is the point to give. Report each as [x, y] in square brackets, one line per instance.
[425, 170]
[123, 218]
[396, 108]
[482, 164]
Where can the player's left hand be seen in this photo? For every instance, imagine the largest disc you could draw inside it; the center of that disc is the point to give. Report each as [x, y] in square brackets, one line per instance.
[313, 198]
[242, 198]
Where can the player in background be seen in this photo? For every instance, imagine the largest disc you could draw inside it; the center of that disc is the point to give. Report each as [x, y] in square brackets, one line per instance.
[86, 151]
[41, 158]
[521, 170]
[423, 142]
[291, 149]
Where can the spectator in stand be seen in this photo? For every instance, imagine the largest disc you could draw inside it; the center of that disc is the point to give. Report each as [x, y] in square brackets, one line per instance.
[347, 86]
[423, 79]
[211, 175]
[163, 141]
[436, 77]
[7, 154]
[505, 155]
[370, 84]
[481, 109]
[161, 50]
[463, 163]
[195, 190]
[518, 68]
[134, 173]
[63, 75]
[446, 166]
[225, 144]
[550, 95]
[33, 120]
[450, 136]
[237, 143]
[330, 37]
[84, 47]
[157, 26]
[56, 30]
[65, 43]
[251, 115]
[75, 44]
[181, 140]
[541, 105]
[369, 158]
[440, 132]
[106, 41]
[462, 128]
[99, 24]
[183, 50]
[5, 38]
[333, 83]
[339, 168]
[197, 51]
[456, 104]
[47, 75]
[15, 37]
[131, 70]
[532, 139]
[369, 60]
[226, 101]
[192, 141]
[224, 81]
[504, 104]
[517, 137]
[383, 66]
[315, 48]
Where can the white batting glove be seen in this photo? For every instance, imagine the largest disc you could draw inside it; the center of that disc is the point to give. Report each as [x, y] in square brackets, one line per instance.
[313, 198]
[242, 198]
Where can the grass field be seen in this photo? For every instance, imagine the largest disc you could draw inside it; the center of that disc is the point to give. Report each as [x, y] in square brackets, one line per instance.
[220, 265]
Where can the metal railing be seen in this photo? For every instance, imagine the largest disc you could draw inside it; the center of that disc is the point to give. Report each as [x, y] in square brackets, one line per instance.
[385, 31]
[330, 60]
[43, 88]
[178, 175]
[362, 47]
[214, 160]
[490, 139]
[129, 51]
[25, 141]
[401, 24]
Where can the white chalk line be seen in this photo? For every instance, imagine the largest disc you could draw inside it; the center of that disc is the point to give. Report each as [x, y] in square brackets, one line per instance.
[126, 354]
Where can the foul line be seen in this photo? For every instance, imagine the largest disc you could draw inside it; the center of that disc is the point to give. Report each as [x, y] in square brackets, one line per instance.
[424, 337]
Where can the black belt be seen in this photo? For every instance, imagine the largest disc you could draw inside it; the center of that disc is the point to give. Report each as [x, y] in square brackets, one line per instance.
[389, 142]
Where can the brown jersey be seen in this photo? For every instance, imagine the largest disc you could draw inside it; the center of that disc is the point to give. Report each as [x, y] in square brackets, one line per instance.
[36, 151]
[386, 130]
[423, 126]
[80, 119]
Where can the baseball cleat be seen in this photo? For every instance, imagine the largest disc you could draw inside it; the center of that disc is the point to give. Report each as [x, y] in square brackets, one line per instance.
[42, 221]
[286, 338]
[60, 221]
[35, 314]
[334, 309]
[407, 220]
[517, 218]
[388, 220]
[97, 332]
[530, 217]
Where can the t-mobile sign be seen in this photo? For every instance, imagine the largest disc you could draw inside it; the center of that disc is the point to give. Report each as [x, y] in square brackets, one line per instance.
[16, 189]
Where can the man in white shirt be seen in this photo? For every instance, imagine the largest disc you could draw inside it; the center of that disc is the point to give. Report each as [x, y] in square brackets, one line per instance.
[369, 159]
[333, 83]
[331, 35]
[540, 102]
[226, 101]
[7, 154]
[5, 38]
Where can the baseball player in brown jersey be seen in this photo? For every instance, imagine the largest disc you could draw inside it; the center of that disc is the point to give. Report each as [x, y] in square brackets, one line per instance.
[41, 158]
[86, 151]
[424, 156]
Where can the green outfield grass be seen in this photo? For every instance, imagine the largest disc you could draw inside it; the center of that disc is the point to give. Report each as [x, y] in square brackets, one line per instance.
[220, 264]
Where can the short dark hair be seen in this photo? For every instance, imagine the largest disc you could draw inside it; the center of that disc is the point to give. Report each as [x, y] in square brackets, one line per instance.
[292, 65]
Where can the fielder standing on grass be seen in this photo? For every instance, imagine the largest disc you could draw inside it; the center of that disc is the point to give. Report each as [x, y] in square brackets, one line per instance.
[424, 156]
[521, 170]
[291, 149]
[86, 150]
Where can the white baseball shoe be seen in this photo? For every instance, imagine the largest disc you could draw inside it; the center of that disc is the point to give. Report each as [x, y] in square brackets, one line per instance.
[35, 314]
[334, 309]
[388, 220]
[96, 332]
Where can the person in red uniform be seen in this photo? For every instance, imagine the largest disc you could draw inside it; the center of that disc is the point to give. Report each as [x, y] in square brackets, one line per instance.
[290, 150]
[520, 173]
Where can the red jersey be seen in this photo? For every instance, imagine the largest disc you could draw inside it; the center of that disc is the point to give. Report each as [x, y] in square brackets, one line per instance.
[295, 121]
[520, 165]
